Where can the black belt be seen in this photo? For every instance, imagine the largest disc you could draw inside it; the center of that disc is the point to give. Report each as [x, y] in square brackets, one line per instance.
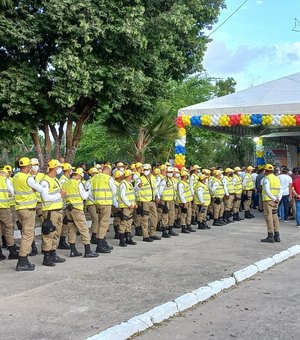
[232, 194]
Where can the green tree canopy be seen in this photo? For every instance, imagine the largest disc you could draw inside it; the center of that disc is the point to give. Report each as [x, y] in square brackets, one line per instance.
[65, 62]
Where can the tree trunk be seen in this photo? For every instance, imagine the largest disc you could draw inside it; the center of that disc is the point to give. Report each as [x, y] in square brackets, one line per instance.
[36, 141]
[47, 143]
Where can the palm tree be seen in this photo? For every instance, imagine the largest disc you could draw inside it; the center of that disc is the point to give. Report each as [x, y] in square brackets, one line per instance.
[156, 129]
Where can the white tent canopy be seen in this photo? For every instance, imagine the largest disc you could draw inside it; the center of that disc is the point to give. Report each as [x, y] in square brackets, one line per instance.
[280, 96]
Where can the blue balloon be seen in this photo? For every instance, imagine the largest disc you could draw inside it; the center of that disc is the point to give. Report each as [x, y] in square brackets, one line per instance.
[196, 121]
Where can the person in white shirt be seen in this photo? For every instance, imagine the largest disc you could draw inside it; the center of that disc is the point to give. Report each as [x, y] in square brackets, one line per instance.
[286, 187]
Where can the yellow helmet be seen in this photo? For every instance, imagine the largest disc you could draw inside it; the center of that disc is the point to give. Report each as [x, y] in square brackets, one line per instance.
[34, 161]
[163, 167]
[127, 173]
[147, 166]
[118, 174]
[269, 167]
[250, 167]
[228, 170]
[206, 171]
[183, 173]
[138, 165]
[196, 167]
[79, 171]
[7, 168]
[54, 163]
[120, 164]
[217, 172]
[176, 170]
[24, 161]
[67, 166]
[156, 171]
[93, 171]
[202, 177]
[132, 166]
[237, 168]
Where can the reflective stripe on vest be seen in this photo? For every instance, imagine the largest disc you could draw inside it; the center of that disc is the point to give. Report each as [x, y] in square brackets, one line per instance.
[169, 193]
[206, 194]
[275, 186]
[230, 186]
[73, 197]
[219, 192]
[101, 189]
[147, 192]
[4, 193]
[38, 177]
[250, 182]
[238, 186]
[187, 192]
[54, 189]
[129, 195]
[24, 194]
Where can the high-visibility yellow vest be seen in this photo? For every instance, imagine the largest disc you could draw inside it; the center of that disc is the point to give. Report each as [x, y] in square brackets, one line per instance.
[275, 186]
[175, 182]
[238, 185]
[38, 177]
[129, 194]
[12, 201]
[101, 190]
[195, 179]
[63, 179]
[219, 192]
[148, 189]
[206, 194]
[250, 183]
[73, 197]
[230, 186]
[24, 194]
[4, 194]
[54, 189]
[169, 192]
[187, 192]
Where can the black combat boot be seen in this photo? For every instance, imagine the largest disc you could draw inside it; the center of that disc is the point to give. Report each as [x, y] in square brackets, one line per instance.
[155, 238]
[158, 226]
[236, 217]
[24, 265]
[190, 229]
[116, 228]
[62, 243]
[206, 225]
[94, 239]
[248, 215]
[108, 246]
[138, 231]
[55, 257]
[34, 250]
[269, 239]
[122, 240]
[201, 225]
[276, 236]
[217, 223]
[165, 234]
[184, 230]
[172, 232]
[220, 220]
[177, 224]
[129, 239]
[13, 254]
[88, 252]
[74, 252]
[2, 257]
[48, 261]
[101, 247]
[228, 217]
[147, 239]
[193, 221]
[4, 244]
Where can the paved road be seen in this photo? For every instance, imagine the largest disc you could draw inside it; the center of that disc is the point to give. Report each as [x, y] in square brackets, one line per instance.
[265, 307]
[81, 297]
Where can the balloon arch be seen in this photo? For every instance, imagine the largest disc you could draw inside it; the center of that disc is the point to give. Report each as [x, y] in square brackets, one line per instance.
[235, 120]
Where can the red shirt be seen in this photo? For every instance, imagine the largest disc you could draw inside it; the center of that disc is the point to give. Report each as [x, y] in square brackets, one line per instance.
[296, 185]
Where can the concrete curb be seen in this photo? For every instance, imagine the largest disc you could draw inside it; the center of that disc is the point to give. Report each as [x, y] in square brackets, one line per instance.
[163, 312]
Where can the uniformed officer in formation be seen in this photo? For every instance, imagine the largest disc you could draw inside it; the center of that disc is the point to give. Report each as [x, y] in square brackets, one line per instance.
[137, 194]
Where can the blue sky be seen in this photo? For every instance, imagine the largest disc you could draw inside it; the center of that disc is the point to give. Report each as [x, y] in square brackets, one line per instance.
[257, 43]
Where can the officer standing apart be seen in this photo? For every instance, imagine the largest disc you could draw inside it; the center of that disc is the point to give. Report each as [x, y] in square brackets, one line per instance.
[52, 206]
[75, 195]
[25, 187]
[202, 199]
[271, 196]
